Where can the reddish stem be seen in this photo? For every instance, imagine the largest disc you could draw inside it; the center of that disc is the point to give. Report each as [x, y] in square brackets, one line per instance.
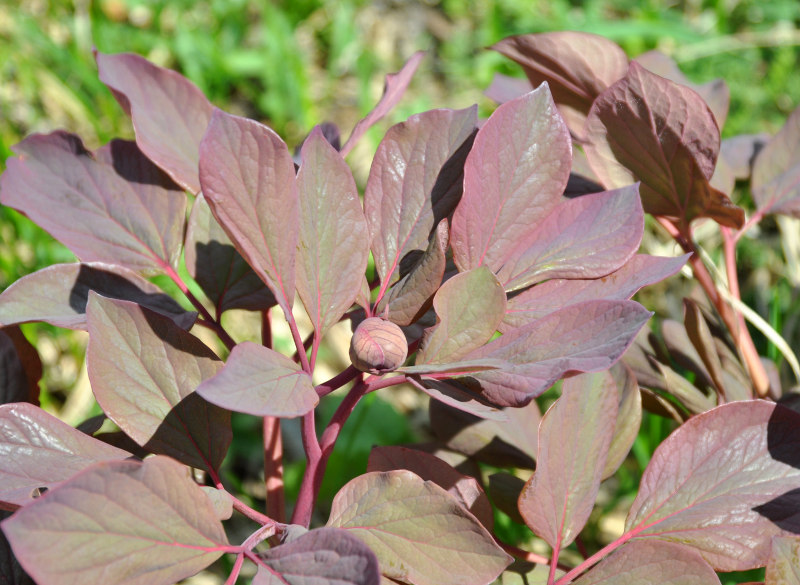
[306, 496]
[551, 577]
[239, 505]
[237, 567]
[337, 381]
[273, 468]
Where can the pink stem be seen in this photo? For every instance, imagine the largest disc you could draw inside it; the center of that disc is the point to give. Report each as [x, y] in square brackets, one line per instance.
[237, 566]
[273, 468]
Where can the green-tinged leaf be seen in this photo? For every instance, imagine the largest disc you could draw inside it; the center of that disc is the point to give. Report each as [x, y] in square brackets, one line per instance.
[522, 573]
[454, 368]
[257, 380]
[121, 522]
[505, 490]
[783, 566]
[334, 242]
[629, 417]
[469, 308]
[220, 501]
[703, 341]
[143, 369]
[418, 531]
[776, 172]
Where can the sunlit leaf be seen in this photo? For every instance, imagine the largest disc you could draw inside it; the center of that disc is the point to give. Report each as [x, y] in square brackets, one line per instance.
[783, 566]
[629, 417]
[776, 172]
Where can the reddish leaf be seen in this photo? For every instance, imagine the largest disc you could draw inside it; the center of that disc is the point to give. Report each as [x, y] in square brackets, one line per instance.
[248, 179]
[622, 284]
[574, 438]
[218, 268]
[629, 417]
[20, 368]
[415, 182]
[39, 451]
[646, 128]
[776, 173]
[57, 183]
[504, 88]
[11, 572]
[741, 151]
[325, 556]
[585, 337]
[393, 89]
[455, 395]
[334, 241]
[513, 177]
[260, 381]
[169, 113]
[469, 308]
[652, 563]
[143, 370]
[418, 531]
[724, 483]
[585, 237]
[119, 522]
[58, 295]
[783, 566]
[465, 489]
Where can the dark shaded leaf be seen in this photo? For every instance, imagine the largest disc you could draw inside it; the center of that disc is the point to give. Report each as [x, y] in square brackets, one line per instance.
[248, 179]
[394, 87]
[257, 380]
[325, 556]
[334, 240]
[574, 438]
[143, 370]
[39, 451]
[455, 395]
[418, 531]
[57, 183]
[513, 177]
[783, 566]
[158, 527]
[20, 368]
[58, 295]
[776, 172]
[169, 113]
[652, 563]
[218, 268]
[629, 417]
[646, 128]
[11, 572]
[415, 182]
[505, 490]
[724, 483]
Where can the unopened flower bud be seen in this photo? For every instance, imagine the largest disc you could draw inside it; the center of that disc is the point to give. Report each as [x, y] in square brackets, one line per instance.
[378, 346]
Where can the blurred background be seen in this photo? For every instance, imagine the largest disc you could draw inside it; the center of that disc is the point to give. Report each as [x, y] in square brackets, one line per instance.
[293, 64]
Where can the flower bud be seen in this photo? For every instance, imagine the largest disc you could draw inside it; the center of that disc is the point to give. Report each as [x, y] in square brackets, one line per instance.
[378, 346]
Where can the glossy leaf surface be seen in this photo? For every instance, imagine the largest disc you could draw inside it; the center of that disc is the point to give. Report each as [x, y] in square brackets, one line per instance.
[776, 173]
[39, 451]
[143, 370]
[248, 179]
[723, 483]
[162, 529]
[334, 241]
[169, 113]
[418, 531]
[260, 381]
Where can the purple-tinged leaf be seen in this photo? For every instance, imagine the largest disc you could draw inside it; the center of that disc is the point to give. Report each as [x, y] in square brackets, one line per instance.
[169, 113]
[325, 556]
[39, 451]
[143, 369]
[220, 501]
[783, 566]
[584, 337]
[547, 297]
[469, 308]
[218, 268]
[741, 151]
[702, 339]
[415, 182]
[120, 522]
[724, 482]
[248, 179]
[334, 241]
[102, 212]
[510, 442]
[20, 368]
[394, 87]
[504, 88]
[649, 129]
[465, 489]
[776, 172]
[513, 177]
[455, 395]
[58, 295]
[574, 437]
[410, 297]
[419, 532]
[629, 417]
[11, 572]
[585, 237]
[652, 563]
[453, 368]
[259, 381]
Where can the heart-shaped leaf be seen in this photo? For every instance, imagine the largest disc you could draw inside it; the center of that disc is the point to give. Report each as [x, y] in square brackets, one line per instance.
[418, 531]
[334, 240]
[119, 522]
[39, 451]
[169, 113]
[776, 173]
[257, 380]
[20, 368]
[724, 483]
[248, 179]
[144, 369]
